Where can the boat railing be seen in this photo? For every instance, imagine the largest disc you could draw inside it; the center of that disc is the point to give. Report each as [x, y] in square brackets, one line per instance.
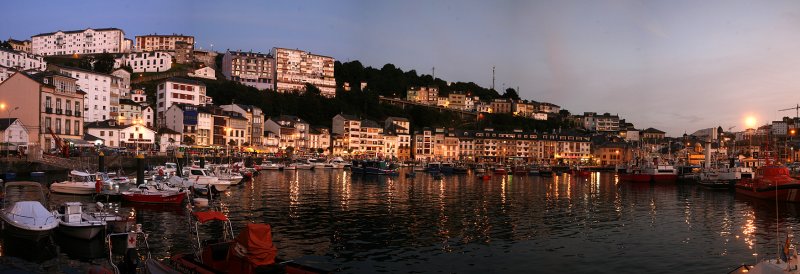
[138, 233]
[34, 218]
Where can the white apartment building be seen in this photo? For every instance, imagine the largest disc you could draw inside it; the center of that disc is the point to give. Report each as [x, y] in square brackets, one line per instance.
[21, 60]
[469, 102]
[425, 95]
[296, 68]
[124, 83]
[133, 137]
[319, 138]
[372, 138]
[250, 68]
[204, 72]
[348, 128]
[98, 89]
[154, 42]
[153, 61]
[88, 41]
[179, 91]
[523, 108]
[549, 108]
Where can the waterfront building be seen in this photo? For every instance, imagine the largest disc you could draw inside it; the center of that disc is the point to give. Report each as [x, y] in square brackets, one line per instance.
[44, 103]
[13, 134]
[319, 138]
[22, 46]
[204, 72]
[154, 42]
[291, 131]
[347, 128]
[152, 61]
[612, 154]
[21, 60]
[500, 105]
[371, 139]
[98, 91]
[88, 41]
[255, 121]
[179, 91]
[168, 140]
[400, 127]
[424, 95]
[296, 68]
[132, 136]
[249, 68]
[423, 144]
[186, 118]
[203, 131]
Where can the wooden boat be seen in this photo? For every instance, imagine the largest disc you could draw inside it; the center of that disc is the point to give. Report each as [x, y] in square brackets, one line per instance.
[771, 182]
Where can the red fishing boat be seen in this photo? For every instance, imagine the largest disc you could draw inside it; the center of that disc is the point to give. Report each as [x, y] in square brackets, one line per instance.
[771, 182]
[154, 197]
[251, 251]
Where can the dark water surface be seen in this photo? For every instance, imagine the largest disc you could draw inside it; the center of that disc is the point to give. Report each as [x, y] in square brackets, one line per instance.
[462, 224]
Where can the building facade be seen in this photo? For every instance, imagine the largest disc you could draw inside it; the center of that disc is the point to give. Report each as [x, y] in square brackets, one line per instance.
[179, 91]
[249, 68]
[296, 68]
[21, 60]
[88, 41]
[156, 42]
[424, 95]
[97, 87]
[153, 61]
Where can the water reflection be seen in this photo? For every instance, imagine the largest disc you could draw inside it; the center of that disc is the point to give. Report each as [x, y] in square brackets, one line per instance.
[373, 224]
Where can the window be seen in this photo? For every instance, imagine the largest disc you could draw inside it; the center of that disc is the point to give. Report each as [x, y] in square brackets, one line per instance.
[110, 133]
[77, 127]
[77, 106]
[47, 102]
[58, 103]
[67, 127]
[131, 136]
[69, 105]
[102, 133]
[58, 125]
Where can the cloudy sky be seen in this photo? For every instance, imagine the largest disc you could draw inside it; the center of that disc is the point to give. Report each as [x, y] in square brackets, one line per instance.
[677, 66]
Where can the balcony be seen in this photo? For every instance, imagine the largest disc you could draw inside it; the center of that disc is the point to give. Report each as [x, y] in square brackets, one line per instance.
[68, 112]
[59, 111]
[77, 113]
[48, 110]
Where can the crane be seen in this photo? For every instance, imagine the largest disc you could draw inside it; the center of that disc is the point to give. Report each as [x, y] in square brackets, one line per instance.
[795, 108]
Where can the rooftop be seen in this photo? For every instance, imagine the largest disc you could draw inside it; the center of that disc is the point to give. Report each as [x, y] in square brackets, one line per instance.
[185, 81]
[76, 31]
[6, 122]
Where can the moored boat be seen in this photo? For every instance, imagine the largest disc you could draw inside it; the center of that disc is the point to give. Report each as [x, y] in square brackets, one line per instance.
[79, 183]
[771, 182]
[73, 222]
[26, 219]
[154, 196]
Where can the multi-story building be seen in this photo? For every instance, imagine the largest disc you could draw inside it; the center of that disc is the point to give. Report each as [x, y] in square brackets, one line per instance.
[255, 121]
[155, 42]
[319, 138]
[442, 102]
[549, 108]
[291, 131]
[153, 61]
[47, 103]
[469, 102]
[184, 52]
[6, 72]
[88, 41]
[524, 109]
[492, 146]
[123, 86]
[21, 60]
[249, 68]
[209, 58]
[347, 128]
[168, 140]
[650, 135]
[23, 46]
[485, 107]
[183, 118]
[602, 123]
[98, 91]
[500, 105]
[457, 100]
[612, 154]
[371, 138]
[179, 91]
[296, 68]
[425, 95]
[400, 127]
[129, 113]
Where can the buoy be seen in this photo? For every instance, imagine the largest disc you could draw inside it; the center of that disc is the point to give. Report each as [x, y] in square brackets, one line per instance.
[200, 202]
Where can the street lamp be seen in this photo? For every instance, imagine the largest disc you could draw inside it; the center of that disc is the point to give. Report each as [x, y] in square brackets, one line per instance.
[227, 133]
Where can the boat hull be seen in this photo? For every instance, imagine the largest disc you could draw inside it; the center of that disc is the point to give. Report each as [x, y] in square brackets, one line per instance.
[786, 193]
[82, 189]
[635, 178]
[665, 178]
[81, 232]
[20, 232]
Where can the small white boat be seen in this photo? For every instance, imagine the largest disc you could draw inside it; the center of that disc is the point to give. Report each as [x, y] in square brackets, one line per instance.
[304, 165]
[79, 183]
[204, 178]
[267, 165]
[72, 221]
[479, 169]
[292, 166]
[26, 219]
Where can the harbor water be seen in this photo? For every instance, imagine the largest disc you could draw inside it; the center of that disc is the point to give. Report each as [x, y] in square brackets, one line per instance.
[464, 224]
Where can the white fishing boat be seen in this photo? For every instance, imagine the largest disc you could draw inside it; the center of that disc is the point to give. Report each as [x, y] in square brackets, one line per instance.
[268, 165]
[26, 218]
[73, 222]
[204, 178]
[79, 183]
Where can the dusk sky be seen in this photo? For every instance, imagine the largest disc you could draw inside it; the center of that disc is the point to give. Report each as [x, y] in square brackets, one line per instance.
[677, 66]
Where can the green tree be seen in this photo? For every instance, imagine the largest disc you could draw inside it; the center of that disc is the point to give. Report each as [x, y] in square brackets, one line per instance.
[511, 94]
[188, 140]
[104, 63]
[86, 63]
